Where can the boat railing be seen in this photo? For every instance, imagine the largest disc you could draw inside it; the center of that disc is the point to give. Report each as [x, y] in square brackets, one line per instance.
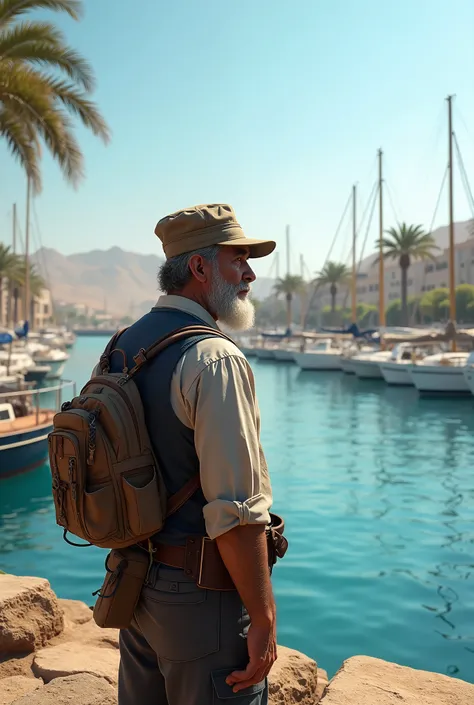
[35, 395]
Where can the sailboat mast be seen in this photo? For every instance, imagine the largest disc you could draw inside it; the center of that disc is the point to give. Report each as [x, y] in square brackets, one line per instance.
[287, 250]
[11, 285]
[381, 263]
[26, 307]
[452, 282]
[354, 272]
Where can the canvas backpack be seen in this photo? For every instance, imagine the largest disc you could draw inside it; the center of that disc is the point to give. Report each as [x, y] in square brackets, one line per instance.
[107, 486]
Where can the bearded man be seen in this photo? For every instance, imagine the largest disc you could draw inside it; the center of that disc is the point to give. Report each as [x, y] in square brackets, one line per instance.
[188, 645]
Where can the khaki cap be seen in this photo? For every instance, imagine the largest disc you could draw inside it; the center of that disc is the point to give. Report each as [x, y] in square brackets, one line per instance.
[201, 226]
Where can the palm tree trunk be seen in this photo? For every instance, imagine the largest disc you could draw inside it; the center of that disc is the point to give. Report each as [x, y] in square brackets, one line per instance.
[404, 293]
[288, 311]
[15, 305]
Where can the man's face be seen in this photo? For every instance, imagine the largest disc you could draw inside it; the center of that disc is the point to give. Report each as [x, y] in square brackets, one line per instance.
[230, 286]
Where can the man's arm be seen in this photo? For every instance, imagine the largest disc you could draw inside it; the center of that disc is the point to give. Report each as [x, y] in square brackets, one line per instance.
[244, 552]
[221, 407]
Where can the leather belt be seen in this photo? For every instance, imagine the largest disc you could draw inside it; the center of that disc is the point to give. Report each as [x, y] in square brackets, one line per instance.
[200, 559]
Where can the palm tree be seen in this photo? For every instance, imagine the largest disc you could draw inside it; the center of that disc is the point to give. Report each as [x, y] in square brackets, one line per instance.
[289, 285]
[334, 274]
[36, 285]
[8, 266]
[406, 243]
[43, 82]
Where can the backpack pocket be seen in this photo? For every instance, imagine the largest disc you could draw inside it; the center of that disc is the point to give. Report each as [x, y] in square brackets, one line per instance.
[140, 490]
[100, 515]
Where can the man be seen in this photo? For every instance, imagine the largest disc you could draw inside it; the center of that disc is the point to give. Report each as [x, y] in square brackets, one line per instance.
[188, 645]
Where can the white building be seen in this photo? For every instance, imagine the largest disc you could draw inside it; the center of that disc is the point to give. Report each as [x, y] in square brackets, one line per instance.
[422, 276]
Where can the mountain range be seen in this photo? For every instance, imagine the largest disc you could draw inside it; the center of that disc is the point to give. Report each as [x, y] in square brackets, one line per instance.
[125, 283]
[114, 280]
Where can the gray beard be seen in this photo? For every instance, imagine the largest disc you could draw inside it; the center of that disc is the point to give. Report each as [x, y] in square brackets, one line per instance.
[238, 314]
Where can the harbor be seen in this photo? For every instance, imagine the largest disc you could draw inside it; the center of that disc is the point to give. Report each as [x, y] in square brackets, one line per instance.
[377, 489]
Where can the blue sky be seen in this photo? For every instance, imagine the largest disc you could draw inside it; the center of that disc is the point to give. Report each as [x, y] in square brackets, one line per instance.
[275, 107]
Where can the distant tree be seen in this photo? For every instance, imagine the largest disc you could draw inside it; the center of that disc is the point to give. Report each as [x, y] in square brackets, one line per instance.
[434, 304]
[394, 312]
[406, 243]
[289, 285]
[464, 298]
[8, 267]
[333, 274]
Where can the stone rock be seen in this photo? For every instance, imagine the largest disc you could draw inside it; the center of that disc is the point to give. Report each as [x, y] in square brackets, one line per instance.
[15, 686]
[82, 689]
[293, 679]
[16, 666]
[70, 658]
[30, 614]
[322, 684]
[75, 611]
[370, 681]
[88, 633]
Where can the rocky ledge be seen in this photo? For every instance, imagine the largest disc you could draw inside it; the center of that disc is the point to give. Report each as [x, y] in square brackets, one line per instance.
[52, 653]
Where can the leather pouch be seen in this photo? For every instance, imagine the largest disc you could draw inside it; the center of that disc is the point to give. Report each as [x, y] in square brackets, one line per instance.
[127, 571]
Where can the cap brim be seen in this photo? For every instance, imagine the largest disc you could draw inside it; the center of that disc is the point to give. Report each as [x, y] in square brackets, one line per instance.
[258, 248]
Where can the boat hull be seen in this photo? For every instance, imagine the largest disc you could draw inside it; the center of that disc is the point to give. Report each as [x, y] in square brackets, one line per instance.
[367, 369]
[468, 372]
[318, 361]
[56, 367]
[20, 452]
[264, 354]
[346, 365]
[396, 374]
[283, 355]
[439, 380]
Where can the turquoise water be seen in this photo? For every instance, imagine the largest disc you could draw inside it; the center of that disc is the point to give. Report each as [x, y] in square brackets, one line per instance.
[377, 489]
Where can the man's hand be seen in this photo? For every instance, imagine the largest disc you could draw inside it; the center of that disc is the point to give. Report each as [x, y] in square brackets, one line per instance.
[262, 648]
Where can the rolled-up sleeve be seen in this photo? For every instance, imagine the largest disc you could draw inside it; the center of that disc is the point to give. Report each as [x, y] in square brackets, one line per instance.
[226, 421]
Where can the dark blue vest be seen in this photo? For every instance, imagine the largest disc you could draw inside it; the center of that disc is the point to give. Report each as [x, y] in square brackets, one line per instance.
[173, 443]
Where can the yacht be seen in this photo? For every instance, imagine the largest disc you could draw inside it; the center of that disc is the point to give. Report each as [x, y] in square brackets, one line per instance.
[468, 372]
[367, 365]
[396, 371]
[441, 374]
[322, 355]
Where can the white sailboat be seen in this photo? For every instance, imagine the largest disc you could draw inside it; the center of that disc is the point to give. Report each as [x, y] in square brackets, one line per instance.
[323, 355]
[366, 365]
[443, 374]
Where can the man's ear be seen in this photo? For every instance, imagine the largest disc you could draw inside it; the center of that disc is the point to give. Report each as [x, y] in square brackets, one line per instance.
[197, 266]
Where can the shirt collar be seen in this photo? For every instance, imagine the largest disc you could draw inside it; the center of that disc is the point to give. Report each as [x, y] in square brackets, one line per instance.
[181, 303]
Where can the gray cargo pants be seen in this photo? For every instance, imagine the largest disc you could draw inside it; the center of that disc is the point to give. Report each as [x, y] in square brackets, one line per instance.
[182, 644]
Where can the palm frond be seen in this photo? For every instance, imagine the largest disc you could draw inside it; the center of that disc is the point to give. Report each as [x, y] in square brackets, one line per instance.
[30, 98]
[42, 43]
[21, 145]
[76, 102]
[11, 9]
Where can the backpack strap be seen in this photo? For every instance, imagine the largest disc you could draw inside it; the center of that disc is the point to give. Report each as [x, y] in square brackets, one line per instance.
[104, 361]
[143, 356]
[179, 498]
[198, 332]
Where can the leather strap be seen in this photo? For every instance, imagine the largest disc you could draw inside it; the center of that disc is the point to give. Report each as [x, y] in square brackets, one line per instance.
[146, 355]
[104, 361]
[180, 497]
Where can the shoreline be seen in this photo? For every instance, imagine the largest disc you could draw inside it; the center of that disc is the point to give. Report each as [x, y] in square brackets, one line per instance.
[51, 649]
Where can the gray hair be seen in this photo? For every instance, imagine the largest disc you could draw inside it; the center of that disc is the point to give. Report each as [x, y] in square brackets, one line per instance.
[174, 274]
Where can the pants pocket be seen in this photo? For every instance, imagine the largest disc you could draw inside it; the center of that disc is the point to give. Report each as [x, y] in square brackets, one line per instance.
[254, 695]
[180, 621]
